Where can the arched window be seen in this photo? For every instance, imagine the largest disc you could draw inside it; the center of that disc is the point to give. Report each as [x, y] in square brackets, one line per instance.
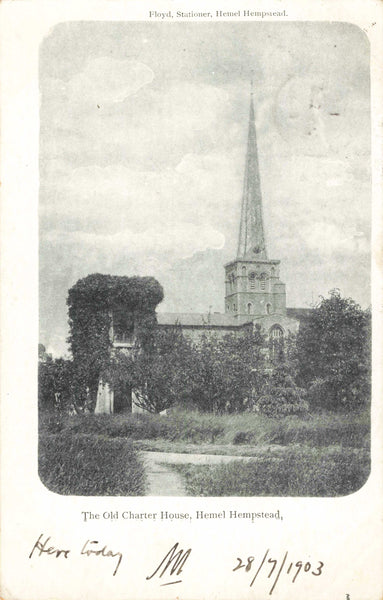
[272, 272]
[243, 270]
[234, 307]
[268, 308]
[276, 342]
[276, 332]
[263, 278]
[249, 307]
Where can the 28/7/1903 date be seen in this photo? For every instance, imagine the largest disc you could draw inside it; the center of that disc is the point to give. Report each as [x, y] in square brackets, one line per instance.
[275, 567]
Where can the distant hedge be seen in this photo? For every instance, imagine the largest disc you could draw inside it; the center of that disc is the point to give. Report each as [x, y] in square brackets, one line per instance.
[297, 472]
[89, 465]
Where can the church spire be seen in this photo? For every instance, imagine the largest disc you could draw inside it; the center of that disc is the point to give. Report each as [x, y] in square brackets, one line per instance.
[251, 243]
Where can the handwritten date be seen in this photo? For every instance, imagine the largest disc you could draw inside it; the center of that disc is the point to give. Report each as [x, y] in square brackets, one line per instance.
[272, 566]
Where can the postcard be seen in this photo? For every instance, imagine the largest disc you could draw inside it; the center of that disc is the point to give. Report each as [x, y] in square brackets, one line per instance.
[191, 288]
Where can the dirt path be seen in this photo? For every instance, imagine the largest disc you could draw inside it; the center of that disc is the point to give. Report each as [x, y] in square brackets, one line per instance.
[163, 481]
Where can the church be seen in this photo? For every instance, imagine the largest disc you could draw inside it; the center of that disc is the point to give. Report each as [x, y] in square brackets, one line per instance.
[254, 293]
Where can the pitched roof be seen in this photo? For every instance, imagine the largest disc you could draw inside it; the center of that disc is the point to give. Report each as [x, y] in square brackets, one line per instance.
[299, 313]
[220, 319]
[199, 319]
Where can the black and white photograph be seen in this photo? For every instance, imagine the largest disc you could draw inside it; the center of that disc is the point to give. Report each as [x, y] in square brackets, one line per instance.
[191, 288]
[204, 223]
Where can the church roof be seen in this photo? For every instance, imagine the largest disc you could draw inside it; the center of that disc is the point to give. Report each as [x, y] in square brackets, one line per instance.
[200, 319]
[221, 319]
[299, 313]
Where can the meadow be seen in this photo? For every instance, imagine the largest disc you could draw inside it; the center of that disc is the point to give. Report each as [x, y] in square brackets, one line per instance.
[319, 454]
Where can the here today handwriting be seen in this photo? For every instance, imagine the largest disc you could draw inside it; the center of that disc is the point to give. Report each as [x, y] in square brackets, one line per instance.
[43, 545]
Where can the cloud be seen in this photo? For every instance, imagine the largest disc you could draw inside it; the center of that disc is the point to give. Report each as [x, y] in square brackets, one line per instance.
[200, 189]
[180, 241]
[106, 80]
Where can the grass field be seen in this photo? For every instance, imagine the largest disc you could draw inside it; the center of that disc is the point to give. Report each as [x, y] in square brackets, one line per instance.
[318, 430]
[323, 454]
[88, 465]
[302, 471]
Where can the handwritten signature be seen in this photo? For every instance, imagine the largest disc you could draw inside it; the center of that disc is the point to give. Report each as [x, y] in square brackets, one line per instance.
[90, 548]
[173, 560]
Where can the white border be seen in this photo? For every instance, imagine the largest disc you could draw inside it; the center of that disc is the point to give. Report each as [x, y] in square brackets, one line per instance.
[345, 533]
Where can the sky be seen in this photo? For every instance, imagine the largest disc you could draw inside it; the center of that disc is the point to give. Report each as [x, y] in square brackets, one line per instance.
[143, 131]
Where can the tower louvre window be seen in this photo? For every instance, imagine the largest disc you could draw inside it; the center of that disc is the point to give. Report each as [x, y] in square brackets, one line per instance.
[252, 280]
[263, 278]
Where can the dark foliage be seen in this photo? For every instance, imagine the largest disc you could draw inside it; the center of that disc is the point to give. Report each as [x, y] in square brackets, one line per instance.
[163, 371]
[227, 371]
[92, 301]
[55, 384]
[217, 375]
[176, 427]
[333, 349]
[281, 396]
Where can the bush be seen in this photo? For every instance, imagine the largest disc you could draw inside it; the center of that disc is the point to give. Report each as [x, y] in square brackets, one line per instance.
[297, 472]
[89, 465]
[281, 396]
[190, 427]
[194, 427]
[241, 437]
[282, 402]
[320, 431]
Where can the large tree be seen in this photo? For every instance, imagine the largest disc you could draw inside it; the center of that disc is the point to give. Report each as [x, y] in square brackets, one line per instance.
[228, 371]
[56, 384]
[163, 371]
[333, 350]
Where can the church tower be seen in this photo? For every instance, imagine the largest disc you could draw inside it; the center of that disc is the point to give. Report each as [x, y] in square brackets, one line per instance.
[253, 287]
